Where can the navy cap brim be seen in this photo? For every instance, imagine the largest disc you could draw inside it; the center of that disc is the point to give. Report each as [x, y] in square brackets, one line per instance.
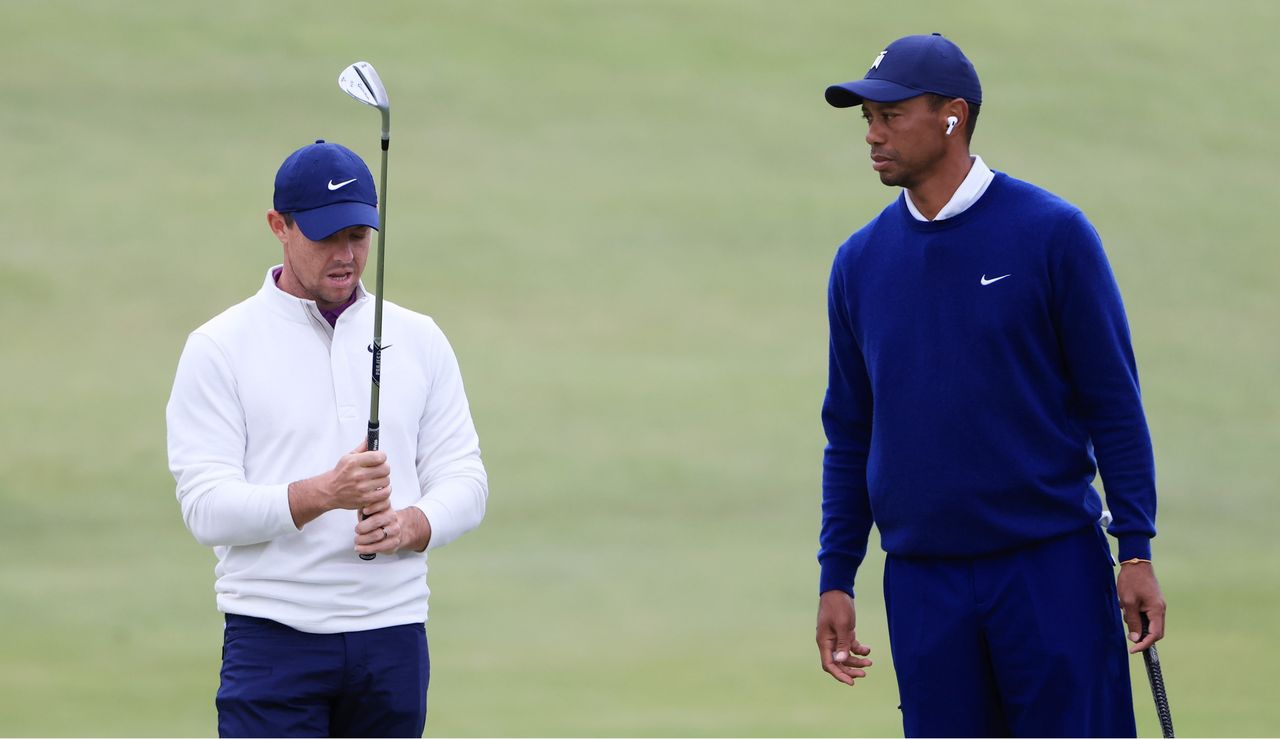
[849, 94]
[319, 224]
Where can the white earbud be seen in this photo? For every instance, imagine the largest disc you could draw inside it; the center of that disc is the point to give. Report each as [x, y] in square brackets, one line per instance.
[951, 123]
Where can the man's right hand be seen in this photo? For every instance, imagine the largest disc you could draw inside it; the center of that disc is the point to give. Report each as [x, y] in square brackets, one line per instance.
[843, 657]
[361, 478]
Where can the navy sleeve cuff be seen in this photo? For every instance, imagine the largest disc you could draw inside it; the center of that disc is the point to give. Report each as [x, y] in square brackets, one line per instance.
[838, 574]
[1135, 546]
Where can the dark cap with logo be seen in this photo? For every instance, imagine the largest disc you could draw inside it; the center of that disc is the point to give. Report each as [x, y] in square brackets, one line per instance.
[326, 187]
[911, 66]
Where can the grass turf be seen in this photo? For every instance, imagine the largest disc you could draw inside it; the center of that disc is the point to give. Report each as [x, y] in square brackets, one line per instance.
[622, 213]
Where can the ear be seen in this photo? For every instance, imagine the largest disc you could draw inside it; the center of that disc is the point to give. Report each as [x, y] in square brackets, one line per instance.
[959, 108]
[276, 223]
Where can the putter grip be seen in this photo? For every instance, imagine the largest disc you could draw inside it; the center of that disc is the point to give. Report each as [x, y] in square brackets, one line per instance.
[1151, 658]
[373, 447]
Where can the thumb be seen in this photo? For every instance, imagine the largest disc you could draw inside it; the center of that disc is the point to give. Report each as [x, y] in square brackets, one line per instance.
[362, 447]
[844, 644]
[1133, 622]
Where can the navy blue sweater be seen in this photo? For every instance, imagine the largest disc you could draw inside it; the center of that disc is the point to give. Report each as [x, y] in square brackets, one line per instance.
[981, 373]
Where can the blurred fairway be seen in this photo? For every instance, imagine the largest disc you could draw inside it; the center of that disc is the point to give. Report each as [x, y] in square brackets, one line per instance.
[622, 214]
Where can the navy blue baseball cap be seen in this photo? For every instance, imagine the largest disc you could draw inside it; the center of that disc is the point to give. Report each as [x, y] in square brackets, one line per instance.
[911, 66]
[326, 187]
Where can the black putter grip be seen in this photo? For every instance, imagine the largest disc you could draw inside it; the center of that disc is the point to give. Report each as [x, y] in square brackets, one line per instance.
[1151, 658]
[373, 447]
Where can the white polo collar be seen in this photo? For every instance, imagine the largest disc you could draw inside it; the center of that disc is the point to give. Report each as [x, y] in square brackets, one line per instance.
[974, 185]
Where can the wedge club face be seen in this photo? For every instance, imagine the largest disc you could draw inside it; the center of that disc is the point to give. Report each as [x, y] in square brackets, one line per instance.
[361, 81]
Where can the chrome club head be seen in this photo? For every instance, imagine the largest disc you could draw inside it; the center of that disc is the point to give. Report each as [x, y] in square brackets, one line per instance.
[361, 81]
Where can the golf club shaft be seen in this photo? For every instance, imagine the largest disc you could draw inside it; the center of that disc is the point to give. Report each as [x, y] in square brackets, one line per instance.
[1151, 658]
[377, 299]
[375, 388]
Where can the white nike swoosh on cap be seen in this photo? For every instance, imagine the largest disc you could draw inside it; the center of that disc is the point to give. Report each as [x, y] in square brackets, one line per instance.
[340, 184]
[985, 281]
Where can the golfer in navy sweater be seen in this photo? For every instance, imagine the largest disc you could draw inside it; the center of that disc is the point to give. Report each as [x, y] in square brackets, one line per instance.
[981, 374]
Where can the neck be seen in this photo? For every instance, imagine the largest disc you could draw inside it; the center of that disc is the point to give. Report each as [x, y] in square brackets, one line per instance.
[930, 196]
[287, 282]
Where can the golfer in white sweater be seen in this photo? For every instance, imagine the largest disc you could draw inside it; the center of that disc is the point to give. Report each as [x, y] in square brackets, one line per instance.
[266, 434]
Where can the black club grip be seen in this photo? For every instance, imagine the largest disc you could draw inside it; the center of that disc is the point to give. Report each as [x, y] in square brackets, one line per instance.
[1151, 658]
[373, 447]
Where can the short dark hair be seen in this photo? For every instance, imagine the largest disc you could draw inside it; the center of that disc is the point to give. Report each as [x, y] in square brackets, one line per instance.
[288, 219]
[937, 101]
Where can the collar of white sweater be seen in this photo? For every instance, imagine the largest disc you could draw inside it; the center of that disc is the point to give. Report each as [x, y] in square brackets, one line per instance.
[295, 308]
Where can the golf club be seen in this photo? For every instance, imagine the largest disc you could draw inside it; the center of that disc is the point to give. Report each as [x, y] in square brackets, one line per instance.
[1154, 675]
[361, 81]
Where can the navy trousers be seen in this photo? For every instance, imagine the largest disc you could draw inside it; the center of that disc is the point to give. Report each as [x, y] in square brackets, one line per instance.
[1026, 643]
[277, 681]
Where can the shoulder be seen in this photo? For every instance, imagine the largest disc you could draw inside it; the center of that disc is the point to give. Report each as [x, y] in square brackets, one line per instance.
[1068, 239]
[1042, 217]
[212, 347]
[411, 319]
[427, 338]
[854, 246]
[231, 323]
[1035, 200]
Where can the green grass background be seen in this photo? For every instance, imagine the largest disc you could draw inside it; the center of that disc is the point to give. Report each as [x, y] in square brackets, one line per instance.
[623, 214]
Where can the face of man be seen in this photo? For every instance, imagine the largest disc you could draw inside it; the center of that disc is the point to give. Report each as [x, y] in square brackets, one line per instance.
[324, 271]
[907, 139]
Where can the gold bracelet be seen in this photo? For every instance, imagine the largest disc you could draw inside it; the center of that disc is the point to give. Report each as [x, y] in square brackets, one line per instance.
[1135, 561]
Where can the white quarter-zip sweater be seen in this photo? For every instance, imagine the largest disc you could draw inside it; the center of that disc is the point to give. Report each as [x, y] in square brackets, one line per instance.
[268, 393]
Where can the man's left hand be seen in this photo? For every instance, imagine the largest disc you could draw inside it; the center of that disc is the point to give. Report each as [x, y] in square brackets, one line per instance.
[386, 531]
[1140, 593]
